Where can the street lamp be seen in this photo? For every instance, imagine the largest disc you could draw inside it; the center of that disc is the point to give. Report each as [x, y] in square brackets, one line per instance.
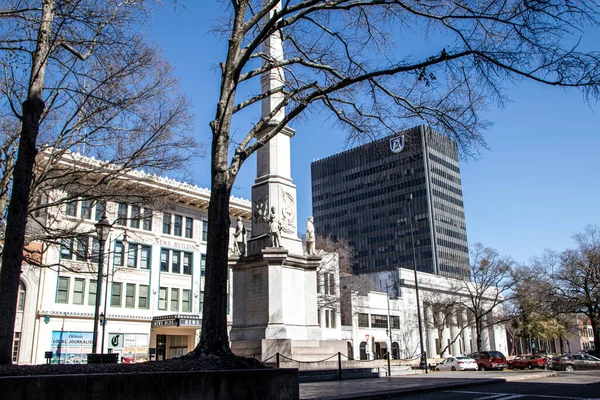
[423, 362]
[102, 230]
[104, 314]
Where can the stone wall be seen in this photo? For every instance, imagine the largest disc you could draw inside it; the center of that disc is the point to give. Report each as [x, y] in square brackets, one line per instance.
[241, 384]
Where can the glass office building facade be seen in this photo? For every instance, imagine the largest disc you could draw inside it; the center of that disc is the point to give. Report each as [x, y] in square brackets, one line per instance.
[360, 195]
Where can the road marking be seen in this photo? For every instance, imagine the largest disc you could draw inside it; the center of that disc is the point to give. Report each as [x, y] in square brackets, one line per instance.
[501, 396]
[498, 396]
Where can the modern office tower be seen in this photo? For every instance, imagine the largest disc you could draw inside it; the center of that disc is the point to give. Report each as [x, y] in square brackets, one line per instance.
[360, 195]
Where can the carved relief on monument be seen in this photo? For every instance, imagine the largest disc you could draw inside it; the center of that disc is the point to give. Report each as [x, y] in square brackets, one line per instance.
[260, 210]
[288, 212]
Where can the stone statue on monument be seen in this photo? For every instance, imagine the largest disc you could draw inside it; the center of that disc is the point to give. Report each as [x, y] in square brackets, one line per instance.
[239, 245]
[274, 228]
[310, 236]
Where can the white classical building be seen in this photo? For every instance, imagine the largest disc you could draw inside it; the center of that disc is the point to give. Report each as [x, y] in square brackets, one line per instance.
[375, 321]
[151, 297]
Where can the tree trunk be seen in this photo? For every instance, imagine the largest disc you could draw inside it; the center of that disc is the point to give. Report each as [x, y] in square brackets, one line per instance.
[12, 253]
[214, 338]
[595, 329]
[16, 221]
[478, 329]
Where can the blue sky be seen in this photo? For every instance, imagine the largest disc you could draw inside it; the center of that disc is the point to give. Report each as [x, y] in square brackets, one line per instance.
[535, 187]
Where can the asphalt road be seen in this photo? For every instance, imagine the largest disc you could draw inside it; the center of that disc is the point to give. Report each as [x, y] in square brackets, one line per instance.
[576, 385]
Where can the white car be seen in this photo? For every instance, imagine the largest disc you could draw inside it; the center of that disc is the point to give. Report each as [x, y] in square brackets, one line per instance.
[458, 363]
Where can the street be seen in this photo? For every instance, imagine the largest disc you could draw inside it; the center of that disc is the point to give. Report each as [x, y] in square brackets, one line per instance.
[567, 386]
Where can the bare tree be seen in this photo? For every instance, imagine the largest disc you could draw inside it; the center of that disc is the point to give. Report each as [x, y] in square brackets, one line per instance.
[77, 76]
[341, 60]
[487, 288]
[576, 278]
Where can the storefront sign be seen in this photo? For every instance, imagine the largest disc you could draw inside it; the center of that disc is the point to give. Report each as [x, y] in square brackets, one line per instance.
[71, 347]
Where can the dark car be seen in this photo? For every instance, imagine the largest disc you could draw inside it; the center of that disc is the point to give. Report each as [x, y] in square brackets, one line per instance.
[529, 361]
[489, 360]
[571, 362]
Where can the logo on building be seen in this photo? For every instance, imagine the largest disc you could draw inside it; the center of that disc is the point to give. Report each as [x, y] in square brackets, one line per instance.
[397, 144]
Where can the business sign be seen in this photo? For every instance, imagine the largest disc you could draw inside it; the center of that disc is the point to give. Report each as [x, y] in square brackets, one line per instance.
[133, 347]
[397, 144]
[70, 347]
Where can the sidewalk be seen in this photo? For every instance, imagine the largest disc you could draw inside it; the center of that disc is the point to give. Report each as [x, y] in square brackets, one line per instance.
[381, 388]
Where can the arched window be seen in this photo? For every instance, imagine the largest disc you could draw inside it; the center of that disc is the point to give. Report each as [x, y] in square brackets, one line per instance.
[395, 351]
[350, 351]
[21, 297]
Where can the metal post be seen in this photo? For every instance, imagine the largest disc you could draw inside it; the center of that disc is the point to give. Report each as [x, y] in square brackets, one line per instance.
[98, 295]
[277, 358]
[339, 366]
[412, 239]
[389, 363]
[106, 302]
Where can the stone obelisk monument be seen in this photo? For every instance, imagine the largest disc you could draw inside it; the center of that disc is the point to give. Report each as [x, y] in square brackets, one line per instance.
[274, 284]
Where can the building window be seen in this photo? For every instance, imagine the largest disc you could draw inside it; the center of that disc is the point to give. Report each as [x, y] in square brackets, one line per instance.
[130, 295]
[164, 260]
[81, 253]
[66, 249]
[162, 298]
[143, 297]
[174, 299]
[202, 264]
[189, 227]
[330, 319]
[62, 291]
[201, 301]
[132, 256]
[92, 293]
[86, 209]
[186, 301]
[135, 217]
[78, 291]
[147, 221]
[16, 347]
[395, 321]
[21, 298]
[119, 254]
[116, 294]
[71, 208]
[121, 214]
[329, 283]
[176, 263]
[204, 231]
[379, 321]
[167, 223]
[187, 263]
[177, 225]
[95, 250]
[363, 320]
[100, 209]
[145, 256]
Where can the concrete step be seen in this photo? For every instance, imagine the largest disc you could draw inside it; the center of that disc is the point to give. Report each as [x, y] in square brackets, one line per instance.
[332, 375]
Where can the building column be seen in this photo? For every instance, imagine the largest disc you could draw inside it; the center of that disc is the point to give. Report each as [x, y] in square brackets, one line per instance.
[431, 333]
[454, 334]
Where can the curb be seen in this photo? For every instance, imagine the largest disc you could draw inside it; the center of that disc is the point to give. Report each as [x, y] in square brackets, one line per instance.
[386, 394]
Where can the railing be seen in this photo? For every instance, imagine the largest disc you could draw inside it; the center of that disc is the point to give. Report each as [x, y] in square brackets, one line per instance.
[279, 358]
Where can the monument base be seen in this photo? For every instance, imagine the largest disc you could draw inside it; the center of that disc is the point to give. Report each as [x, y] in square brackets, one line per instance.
[265, 350]
[275, 300]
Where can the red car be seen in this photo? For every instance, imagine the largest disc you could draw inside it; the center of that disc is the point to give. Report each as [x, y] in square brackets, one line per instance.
[489, 360]
[528, 361]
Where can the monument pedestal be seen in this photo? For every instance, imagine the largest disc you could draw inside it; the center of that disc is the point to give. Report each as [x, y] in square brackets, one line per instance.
[275, 304]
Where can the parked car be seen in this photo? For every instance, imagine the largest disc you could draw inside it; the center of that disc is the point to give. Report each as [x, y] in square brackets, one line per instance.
[457, 363]
[574, 361]
[489, 360]
[528, 361]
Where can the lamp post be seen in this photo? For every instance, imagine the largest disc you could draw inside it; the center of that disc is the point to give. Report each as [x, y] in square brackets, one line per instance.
[423, 362]
[112, 278]
[102, 230]
[389, 331]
